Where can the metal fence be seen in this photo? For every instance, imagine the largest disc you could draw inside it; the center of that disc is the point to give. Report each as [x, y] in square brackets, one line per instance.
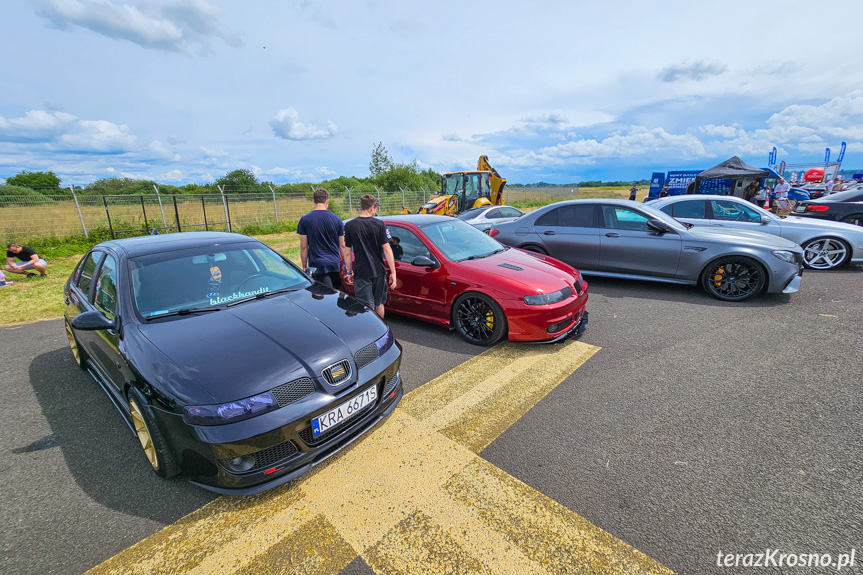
[28, 217]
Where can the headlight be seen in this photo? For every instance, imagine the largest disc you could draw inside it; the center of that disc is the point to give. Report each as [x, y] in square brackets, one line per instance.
[785, 256]
[385, 342]
[547, 298]
[230, 412]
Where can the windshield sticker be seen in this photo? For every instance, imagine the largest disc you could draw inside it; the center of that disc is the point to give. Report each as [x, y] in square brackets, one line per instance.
[213, 294]
[160, 312]
[216, 273]
[237, 295]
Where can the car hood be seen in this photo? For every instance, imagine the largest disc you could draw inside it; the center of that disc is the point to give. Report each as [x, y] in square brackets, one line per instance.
[845, 229]
[256, 346]
[515, 268]
[735, 236]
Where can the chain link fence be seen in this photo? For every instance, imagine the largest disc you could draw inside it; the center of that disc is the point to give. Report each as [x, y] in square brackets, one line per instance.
[27, 217]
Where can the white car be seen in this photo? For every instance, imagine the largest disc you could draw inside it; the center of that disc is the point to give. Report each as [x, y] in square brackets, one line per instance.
[483, 218]
[826, 244]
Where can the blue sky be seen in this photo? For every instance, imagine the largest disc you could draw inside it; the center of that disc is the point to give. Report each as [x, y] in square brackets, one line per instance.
[181, 92]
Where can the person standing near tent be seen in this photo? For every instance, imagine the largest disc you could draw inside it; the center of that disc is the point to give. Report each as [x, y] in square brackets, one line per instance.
[780, 194]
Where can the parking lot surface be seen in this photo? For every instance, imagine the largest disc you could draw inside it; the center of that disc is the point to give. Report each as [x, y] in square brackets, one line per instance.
[677, 428]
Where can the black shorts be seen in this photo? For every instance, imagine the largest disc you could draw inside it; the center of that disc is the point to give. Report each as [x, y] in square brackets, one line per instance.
[372, 292]
[329, 279]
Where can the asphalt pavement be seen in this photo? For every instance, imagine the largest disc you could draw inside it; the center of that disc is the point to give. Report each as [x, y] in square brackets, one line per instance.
[699, 427]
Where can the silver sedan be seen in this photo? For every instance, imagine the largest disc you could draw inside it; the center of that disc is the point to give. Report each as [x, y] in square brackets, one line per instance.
[625, 239]
[826, 244]
[483, 218]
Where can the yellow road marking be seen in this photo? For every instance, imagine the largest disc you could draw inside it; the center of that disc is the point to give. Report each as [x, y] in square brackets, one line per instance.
[412, 497]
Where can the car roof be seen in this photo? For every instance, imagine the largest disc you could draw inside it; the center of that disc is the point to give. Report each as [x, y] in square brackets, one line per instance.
[418, 219]
[143, 245]
[680, 197]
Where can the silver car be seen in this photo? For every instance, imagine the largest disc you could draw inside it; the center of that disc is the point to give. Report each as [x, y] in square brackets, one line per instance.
[625, 239]
[483, 218]
[826, 244]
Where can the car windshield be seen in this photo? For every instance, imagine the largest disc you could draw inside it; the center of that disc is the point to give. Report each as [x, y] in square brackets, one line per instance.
[207, 277]
[459, 241]
[846, 196]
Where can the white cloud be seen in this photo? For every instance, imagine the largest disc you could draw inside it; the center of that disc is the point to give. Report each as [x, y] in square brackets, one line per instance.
[66, 132]
[452, 137]
[213, 153]
[173, 176]
[36, 126]
[689, 70]
[286, 125]
[174, 26]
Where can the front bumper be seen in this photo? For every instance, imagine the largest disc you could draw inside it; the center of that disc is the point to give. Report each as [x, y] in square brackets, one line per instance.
[281, 442]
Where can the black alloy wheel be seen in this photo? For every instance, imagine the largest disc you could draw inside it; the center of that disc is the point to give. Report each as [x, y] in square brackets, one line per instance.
[856, 219]
[733, 278]
[479, 319]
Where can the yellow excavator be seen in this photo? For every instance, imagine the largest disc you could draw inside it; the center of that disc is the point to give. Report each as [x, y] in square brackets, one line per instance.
[460, 191]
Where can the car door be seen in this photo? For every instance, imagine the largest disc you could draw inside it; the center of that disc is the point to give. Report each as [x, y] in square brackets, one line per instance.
[692, 211]
[628, 246]
[106, 342]
[420, 290]
[570, 233]
[80, 296]
[739, 216]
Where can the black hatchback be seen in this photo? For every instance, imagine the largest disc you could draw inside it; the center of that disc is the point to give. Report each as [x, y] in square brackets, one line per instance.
[845, 206]
[228, 363]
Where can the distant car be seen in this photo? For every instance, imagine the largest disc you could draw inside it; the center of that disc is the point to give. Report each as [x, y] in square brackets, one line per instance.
[226, 361]
[845, 206]
[624, 239]
[483, 218]
[814, 189]
[826, 245]
[451, 274]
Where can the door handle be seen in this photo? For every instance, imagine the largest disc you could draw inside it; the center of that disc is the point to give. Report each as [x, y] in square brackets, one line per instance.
[612, 235]
[548, 233]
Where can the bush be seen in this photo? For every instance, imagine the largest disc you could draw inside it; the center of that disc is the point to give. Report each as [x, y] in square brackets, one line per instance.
[32, 197]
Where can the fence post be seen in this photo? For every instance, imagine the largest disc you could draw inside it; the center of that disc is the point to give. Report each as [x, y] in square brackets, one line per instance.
[225, 205]
[204, 209]
[404, 205]
[143, 209]
[161, 209]
[350, 201]
[107, 213]
[78, 207]
[379, 195]
[177, 214]
[275, 208]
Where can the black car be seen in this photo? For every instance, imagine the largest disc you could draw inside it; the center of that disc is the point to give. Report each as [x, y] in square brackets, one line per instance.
[226, 360]
[845, 206]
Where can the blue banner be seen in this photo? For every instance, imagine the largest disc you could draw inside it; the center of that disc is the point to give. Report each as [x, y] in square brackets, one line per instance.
[841, 153]
[774, 155]
[679, 181]
[657, 180]
[827, 156]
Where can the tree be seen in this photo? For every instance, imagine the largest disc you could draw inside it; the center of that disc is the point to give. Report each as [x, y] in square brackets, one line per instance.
[381, 161]
[407, 176]
[119, 187]
[43, 182]
[240, 182]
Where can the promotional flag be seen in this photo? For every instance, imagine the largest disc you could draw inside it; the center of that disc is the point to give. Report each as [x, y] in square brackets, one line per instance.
[782, 169]
[841, 153]
[657, 180]
[827, 156]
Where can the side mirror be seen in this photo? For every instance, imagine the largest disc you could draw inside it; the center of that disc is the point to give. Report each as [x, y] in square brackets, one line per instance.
[765, 220]
[92, 321]
[423, 262]
[657, 226]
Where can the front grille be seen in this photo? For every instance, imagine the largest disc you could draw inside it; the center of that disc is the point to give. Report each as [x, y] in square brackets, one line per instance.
[338, 373]
[288, 393]
[391, 385]
[366, 355]
[268, 457]
[308, 437]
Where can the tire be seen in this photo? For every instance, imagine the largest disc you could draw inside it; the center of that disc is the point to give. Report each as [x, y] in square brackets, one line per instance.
[478, 319]
[535, 249]
[152, 443]
[77, 352]
[825, 253]
[733, 278]
[856, 219]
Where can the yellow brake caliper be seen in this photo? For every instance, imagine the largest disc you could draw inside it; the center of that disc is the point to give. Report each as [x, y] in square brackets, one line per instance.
[717, 278]
[489, 319]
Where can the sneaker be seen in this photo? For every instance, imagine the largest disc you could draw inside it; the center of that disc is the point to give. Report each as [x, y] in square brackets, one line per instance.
[31, 275]
[5, 283]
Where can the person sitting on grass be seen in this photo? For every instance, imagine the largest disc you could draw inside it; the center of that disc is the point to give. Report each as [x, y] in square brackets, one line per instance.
[3, 281]
[30, 260]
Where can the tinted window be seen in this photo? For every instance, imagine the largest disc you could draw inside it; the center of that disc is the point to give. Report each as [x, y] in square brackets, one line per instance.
[209, 276]
[470, 214]
[620, 218]
[688, 209]
[577, 216]
[508, 212]
[493, 214]
[106, 288]
[548, 219]
[86, 271]
[733, 212]
[406, 245]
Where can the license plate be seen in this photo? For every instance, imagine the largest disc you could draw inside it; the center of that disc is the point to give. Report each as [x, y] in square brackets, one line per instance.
[344, 411]
[800, 209]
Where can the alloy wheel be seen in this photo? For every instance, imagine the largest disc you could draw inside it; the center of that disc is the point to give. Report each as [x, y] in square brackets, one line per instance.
[477, 320]
[76, 353]
[143, 433]
[735, 279]
[824, 253]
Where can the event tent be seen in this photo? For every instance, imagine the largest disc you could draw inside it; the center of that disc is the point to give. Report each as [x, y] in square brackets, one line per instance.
[733, 169]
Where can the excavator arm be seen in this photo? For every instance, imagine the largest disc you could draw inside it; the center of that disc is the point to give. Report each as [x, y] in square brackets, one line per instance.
[495, 181]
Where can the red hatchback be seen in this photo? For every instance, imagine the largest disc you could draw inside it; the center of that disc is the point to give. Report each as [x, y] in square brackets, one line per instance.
[451, 274]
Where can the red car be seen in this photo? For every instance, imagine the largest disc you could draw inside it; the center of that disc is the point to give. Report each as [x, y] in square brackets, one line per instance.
[451, 274]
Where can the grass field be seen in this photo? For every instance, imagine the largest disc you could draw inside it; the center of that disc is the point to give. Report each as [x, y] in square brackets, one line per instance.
[36, 299]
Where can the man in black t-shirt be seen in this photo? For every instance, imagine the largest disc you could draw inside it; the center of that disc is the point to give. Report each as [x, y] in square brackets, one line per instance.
[30, 260]
[370, 241]
[322, 241]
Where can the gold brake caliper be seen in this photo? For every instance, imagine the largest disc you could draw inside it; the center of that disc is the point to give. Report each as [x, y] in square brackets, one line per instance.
[717, 278]
[489, 319]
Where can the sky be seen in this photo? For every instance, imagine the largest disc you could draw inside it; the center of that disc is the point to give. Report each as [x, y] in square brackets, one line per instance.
[301, 91]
